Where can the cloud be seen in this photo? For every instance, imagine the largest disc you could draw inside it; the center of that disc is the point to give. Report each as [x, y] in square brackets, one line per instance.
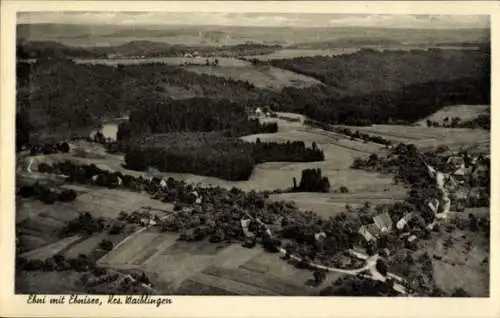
[257, 19]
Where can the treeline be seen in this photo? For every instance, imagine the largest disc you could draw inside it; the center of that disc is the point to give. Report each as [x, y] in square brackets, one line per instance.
[211, 154]
[349, 132]
[46, 194]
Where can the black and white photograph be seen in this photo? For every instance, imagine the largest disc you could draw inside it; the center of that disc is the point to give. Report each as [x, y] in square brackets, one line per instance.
[252, 154]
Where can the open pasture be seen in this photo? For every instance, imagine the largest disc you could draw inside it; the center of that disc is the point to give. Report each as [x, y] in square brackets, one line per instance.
[273, 284]
[51, 249]
[463, 264]
[272, 265]
[102, 202]
[138, 248]
[428, 137]
[465, 112]
[260, 76]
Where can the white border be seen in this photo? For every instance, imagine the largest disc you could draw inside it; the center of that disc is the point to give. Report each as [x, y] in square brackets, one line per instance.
[186, 306]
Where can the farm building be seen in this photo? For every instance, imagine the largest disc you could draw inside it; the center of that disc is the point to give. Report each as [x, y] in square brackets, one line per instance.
[404, 220]
[370, 232]
[383, 222]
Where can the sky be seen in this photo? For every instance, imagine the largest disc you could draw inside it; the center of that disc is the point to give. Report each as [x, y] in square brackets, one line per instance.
[259, 19]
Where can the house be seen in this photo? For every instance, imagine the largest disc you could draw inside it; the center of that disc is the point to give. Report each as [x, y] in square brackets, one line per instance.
[163, 183]
[258, 112]
[147, 221]
[244, 225]
[370, 232]
[383, 222]
[320, 236]
[412, 238]
[400, 225]
[363, 231]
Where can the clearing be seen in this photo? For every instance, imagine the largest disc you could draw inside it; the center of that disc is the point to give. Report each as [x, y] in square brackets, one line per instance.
[259, 75]
[465, 112]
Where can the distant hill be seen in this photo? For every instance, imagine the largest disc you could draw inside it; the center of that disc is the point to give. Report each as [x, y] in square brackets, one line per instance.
[108, 35]
[369, 71]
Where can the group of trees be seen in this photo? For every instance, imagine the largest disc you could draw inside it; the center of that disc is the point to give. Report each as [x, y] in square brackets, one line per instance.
[57, 262]
[358, 286]
[312, 181]
[211, 154]
[49, 148]
[85, 224]
[447, 122]
[46, 194]
[354, 135]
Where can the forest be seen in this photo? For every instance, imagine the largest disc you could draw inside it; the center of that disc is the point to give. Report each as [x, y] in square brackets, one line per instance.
[211, 154]
[200, 136]
[193, 115]
[369, 71]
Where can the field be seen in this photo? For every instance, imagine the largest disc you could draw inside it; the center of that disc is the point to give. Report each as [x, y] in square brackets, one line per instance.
[260, 76]
[465, 112]
[431, 137]
[203, 267]
[49, 282]
[464, 264]
[231, 68]
[38, 224]
[52, 249]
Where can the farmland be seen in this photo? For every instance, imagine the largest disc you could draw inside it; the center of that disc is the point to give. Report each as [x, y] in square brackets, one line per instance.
[230, 68]
[465, 112]
[178, 266]
[260, 76]
[432, 137]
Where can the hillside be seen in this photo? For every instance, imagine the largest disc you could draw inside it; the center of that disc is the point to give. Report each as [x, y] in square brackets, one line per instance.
[66, 95]
[370, 71]
[466, 113]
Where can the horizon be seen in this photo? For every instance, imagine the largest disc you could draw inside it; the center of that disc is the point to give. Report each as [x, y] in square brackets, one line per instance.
[256, 20]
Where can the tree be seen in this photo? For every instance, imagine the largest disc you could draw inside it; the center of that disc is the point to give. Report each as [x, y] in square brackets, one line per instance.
[319, 277]
[106, 245]
[381, 267]
[67, 195]
[460, 292]
[64, 147]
